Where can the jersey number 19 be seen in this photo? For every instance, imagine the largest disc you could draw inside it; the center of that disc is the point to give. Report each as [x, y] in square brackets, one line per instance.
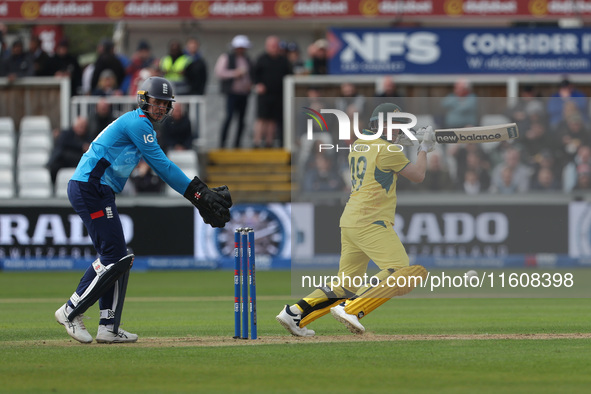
[358, 167]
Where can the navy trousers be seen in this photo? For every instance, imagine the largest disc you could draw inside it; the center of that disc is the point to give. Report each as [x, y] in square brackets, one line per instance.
[95, 204]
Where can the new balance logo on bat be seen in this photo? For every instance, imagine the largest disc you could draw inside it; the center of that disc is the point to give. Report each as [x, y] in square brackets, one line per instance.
[449, 137]
[446, 137]
[493, 133]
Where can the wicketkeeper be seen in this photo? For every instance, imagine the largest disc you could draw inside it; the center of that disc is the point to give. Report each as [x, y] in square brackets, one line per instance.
[102, 172]
[367, 233]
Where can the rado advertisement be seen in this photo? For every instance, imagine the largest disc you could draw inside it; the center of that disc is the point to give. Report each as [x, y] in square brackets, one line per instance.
[57, 232]
[465, 231]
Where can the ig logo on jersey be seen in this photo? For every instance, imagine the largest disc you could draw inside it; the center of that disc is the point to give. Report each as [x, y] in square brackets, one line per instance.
[148, 138]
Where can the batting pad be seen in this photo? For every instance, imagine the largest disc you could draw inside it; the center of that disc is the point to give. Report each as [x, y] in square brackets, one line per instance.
[309, 318]
[386, 289]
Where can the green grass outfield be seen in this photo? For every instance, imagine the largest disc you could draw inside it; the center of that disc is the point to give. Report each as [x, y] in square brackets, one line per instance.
[185, 323]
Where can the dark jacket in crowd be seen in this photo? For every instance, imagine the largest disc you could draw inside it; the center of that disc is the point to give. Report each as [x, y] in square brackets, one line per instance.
[270, 72]
[196, 76]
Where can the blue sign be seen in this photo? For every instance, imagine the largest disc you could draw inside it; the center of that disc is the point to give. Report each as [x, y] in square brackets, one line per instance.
[459, 51]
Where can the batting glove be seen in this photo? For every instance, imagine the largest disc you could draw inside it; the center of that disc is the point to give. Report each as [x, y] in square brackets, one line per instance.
[428, 143]
[405, 141]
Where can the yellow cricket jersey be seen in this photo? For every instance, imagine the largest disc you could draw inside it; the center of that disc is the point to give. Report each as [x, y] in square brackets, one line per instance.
[374, 166]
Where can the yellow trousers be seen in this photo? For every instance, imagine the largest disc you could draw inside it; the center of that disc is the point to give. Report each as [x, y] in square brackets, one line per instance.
[376, 243]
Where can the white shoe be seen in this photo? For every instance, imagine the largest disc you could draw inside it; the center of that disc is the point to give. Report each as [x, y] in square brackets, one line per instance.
[106, 335]
[291, 322]
[350, 321]
[74, 328]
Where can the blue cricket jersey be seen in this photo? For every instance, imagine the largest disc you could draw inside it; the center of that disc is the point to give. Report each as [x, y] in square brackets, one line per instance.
[115, 152]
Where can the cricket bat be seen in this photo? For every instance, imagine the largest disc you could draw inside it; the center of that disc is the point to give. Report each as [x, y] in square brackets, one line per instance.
[465, 135]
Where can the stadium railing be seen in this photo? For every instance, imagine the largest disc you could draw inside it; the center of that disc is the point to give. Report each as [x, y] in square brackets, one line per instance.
[196, 109]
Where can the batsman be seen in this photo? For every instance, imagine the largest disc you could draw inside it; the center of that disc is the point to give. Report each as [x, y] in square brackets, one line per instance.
[367, 233]
[101, 173]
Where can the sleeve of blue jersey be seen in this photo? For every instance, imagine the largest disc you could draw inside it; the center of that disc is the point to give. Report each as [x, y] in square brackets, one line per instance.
[144, 138]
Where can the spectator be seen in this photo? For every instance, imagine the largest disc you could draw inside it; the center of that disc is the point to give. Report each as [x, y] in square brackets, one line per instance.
[282, 48]
[145, 73]
[176, 131]
[3, 49]
[350, 101]
[545, 160]
[437, 177]
[471, 183]
[125, 62]
[234, 69]
[317, 63]
[18, 64]
[315, 99]
[196, 70]
[323, 177]
[511, 176]
[100, 119]
[461, 106]
[535, 139]
[580, 163]
[269, 71]
[173, 67]
[566, 93]
[292, 51]
[69, 147]
[572, 131]
[144, 180]
[88, 72]
[506, 182]
[40, 58]
[107, 84]
[545, 181]
[584, 179]
[528, 109]
[107, 60]
[64, 64]
[141, 58]
[389, 88]
[473, 159]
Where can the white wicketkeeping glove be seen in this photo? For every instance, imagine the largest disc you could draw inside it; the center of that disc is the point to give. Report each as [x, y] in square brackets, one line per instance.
[428, 139]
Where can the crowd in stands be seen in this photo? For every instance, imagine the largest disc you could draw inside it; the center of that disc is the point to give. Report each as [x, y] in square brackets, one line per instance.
[553, 152]
[113, 74]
